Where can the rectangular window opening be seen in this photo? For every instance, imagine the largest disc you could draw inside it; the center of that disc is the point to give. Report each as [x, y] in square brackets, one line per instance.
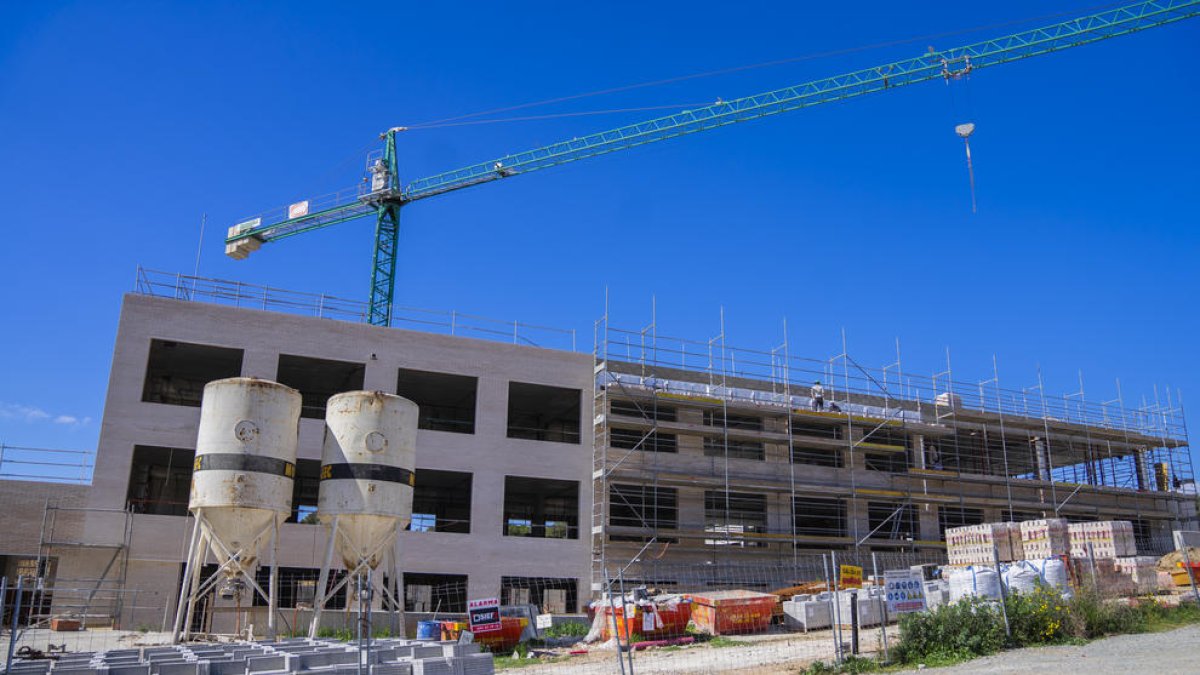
[645, 409]
[718, 418]
[446, 402]
[539, 412]
[817, 456]
[177, 371]
[160, 480]
[957, 516]
[305, 489]
[736, 449]
[298, 587]
[318, 379]
[541, 507]
[435, 592]
[902, 526]
[733, 515]
[819, 516]
[646, 441]
[551, 596]
[441, 502]
[642, 506]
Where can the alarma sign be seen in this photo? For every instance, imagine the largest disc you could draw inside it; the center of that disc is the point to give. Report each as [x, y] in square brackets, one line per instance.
[484, 615]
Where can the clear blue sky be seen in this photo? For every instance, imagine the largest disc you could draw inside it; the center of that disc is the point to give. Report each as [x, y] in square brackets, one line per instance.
[123, 122]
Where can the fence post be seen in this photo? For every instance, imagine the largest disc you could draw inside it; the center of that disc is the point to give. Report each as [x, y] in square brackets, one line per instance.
[1092, 564]
[3, 595]
[837, 606]
[1187, 560]
[854, 623]
[629, 636]
[1003, 594]
[12, 634]
[883, 618]
[612, 607]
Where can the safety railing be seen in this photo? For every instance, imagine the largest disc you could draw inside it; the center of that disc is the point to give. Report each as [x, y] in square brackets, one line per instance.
[46, 464]
[254, 296]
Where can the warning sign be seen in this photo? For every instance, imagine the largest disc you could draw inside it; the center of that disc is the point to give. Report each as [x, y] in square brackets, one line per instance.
[905, 592]
[484, 615]
[850, 576]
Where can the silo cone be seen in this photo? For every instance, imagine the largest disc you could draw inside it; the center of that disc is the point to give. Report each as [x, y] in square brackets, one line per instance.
[241, 485]
[367, 483]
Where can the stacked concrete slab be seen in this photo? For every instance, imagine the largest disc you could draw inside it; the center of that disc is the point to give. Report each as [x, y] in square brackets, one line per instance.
[318, 657]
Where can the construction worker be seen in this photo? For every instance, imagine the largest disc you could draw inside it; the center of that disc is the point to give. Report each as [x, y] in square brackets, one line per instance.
[818, 396]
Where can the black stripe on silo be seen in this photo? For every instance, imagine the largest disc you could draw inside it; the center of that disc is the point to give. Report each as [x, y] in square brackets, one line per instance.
[235, 461]
[379, 472]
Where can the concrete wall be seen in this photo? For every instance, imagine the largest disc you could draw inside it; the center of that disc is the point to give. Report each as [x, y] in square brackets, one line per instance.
[484, 555]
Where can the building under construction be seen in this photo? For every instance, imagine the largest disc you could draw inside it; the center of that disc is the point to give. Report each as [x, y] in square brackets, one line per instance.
[711, 454]
[696, 454]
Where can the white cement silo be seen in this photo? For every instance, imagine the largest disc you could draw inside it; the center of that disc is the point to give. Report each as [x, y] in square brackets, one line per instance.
[367, 478]
[241, 481]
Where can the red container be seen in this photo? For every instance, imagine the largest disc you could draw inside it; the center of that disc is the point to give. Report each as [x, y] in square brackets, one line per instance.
[503, 640]
[674, 620]
[732, 612]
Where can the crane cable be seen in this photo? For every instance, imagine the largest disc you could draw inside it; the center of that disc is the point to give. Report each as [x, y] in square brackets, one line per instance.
[734, 69]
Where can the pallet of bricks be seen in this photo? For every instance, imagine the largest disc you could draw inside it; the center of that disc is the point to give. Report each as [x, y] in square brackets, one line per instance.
[1045, 538]
[1105, 552]
[975, 544]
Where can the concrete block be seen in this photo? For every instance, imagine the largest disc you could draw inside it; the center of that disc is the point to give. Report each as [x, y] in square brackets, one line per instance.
[391, 669]
[807, 615]
[128, 669]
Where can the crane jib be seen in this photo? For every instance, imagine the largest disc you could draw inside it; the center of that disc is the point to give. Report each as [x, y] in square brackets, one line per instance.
[385, 201]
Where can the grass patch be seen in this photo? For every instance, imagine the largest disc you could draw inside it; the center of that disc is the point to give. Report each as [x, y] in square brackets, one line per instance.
[567, 629]
[719, 641]
[509, 663]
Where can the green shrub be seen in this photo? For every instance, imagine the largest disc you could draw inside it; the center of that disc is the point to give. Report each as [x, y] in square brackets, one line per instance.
[1093, 617]
[968, 628]
[1039, 617]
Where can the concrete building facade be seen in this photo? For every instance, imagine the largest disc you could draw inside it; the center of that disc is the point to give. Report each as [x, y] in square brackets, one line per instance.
[539, 470]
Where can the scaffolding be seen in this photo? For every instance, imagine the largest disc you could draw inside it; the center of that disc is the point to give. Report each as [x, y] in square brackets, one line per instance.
[97, 594]
[711, 454]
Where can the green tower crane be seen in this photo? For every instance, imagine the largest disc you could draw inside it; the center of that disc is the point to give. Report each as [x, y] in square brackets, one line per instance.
[383, 195]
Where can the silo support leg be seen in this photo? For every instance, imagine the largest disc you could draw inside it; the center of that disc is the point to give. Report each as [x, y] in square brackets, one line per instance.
[322, 596]
[185, 583]
[392, 584]
[273, 586]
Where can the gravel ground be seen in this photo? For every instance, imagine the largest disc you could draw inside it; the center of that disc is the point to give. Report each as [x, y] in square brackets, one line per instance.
[1168, 653]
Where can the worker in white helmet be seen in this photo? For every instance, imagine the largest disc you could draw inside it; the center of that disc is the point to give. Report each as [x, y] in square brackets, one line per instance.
[817, 393]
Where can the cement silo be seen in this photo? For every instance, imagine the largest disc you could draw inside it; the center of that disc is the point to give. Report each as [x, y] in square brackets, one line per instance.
[367, 478]
[241, 486]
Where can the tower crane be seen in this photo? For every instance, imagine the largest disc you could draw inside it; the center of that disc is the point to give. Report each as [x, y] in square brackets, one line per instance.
[384, 195]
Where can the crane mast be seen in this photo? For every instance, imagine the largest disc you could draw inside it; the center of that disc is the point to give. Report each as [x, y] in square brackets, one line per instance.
[383, 195]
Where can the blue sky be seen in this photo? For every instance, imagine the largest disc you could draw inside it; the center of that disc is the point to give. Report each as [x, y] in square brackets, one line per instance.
[124, 122]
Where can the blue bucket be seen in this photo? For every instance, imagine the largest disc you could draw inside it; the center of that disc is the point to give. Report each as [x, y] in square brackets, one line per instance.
[429, 630]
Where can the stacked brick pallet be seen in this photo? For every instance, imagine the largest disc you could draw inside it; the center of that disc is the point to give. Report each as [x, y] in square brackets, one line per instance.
[973, 544]
[1108, 539]
[1045, 538]
[1142, 570]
